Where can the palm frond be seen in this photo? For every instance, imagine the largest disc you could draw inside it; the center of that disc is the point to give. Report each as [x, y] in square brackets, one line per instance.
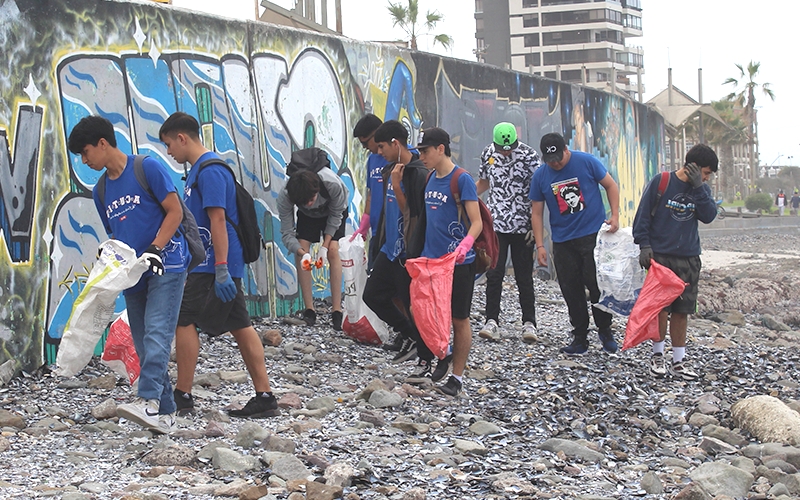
[445, 40]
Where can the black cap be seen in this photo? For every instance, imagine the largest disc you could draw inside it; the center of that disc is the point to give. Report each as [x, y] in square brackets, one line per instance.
[552, 146]
[433, 137]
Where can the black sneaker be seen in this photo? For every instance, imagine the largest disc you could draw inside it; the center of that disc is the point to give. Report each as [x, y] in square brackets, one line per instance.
[406, 352]
[443, 368]
[424, 375]
[336, 320]
[452, 387]
[607, 339]
[579, 345]
[395, 345]
[258, 407]
[310, 317]
[184, 402]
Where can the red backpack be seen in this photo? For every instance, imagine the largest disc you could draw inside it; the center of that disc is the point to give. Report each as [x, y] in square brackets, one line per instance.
[487, 247]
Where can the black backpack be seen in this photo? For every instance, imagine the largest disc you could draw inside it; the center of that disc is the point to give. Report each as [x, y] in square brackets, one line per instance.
[188, 225]
[247, 230]
[313, 159]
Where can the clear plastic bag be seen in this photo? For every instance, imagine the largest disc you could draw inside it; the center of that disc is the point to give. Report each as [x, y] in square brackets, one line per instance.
[619, 276]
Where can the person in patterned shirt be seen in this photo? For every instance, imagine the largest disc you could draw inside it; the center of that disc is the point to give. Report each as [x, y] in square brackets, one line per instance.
[507, 167]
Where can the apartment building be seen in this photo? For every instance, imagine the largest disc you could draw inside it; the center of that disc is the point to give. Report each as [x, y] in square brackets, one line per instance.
[583, 41]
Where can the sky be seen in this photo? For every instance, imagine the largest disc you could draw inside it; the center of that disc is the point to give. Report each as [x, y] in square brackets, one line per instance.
[682, 34]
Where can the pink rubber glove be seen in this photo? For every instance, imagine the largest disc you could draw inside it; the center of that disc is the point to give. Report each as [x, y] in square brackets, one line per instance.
[463, 248]
[362, 228]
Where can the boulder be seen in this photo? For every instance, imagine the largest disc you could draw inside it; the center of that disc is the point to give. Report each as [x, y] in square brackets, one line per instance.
[720, 478]
[571, 449]
[768, 419]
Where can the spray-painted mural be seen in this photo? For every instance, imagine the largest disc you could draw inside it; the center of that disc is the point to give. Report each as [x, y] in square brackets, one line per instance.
[259, 92]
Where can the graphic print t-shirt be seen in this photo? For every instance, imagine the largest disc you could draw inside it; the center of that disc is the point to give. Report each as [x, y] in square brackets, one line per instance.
[443, 231]
[375, 164]
[395, 245]
[215, 188]
[572, 195]
[509, 181]
[134, 217]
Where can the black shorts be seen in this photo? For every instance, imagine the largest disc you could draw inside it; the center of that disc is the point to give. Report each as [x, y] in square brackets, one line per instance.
[463, 285]
[687, 269]
[313, 229]
[201, 306]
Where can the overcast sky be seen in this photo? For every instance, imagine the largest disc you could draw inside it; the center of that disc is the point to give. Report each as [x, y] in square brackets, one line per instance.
[683, 34]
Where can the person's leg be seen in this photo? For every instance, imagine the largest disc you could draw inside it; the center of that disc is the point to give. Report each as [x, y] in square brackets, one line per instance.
[602, 319]
[522, 260]
[304, 277]
[252, 351]
[335, 274]
[187, 348]
[494, 279]
[567, 262]
[462, 343]
[380, 290]
[460, 305]
[677, 329]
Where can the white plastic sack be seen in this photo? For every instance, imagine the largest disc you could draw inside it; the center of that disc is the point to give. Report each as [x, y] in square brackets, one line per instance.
[619, 276]
[359, 322]
[117, 268]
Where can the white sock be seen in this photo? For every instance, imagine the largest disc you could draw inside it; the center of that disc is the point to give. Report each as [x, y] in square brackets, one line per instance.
[658, 347]
[458, 377]
[678, 353]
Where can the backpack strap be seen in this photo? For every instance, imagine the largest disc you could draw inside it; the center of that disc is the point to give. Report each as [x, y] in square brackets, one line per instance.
[457, 192]
[216, 161]
[662, 187]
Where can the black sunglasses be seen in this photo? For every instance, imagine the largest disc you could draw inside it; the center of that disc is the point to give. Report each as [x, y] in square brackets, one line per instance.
[365, 143]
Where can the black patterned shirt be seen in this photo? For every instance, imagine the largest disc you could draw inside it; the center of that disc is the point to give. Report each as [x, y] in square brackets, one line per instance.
[509, 182]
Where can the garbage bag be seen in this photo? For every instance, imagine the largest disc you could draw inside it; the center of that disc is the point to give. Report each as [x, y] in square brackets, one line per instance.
[431, 292]
[619, 275]
[661, 288]
[360, 322]
[119, 353]
[116, 269]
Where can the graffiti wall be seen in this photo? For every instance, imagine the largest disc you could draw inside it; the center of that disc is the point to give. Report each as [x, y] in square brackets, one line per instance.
[259, 92]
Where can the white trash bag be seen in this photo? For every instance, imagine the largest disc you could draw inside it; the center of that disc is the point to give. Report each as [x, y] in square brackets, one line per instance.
[619, 276]
[117, 269]
[360, 322]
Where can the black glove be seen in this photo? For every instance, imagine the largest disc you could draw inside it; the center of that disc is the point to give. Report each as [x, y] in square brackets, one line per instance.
[645, 256]
[694, 174]
[153, 256]
[529, 239]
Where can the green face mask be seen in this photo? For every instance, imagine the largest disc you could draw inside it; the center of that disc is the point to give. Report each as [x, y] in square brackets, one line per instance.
[505, 136]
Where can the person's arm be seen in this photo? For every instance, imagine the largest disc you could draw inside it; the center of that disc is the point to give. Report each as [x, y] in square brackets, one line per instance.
[482, 185]
[397, 177]
[474, 215]
[286, 216]
[537, 223]
[612, 192]
[172, 219]
[219, 233]
[705, 207]
[336, 207]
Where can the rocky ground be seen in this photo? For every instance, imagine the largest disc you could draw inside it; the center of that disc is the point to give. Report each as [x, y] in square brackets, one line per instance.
[531, 422]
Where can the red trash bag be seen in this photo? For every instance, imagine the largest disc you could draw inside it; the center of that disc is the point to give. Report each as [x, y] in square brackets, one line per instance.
[661, 287]
[431, 292]
[119, 353]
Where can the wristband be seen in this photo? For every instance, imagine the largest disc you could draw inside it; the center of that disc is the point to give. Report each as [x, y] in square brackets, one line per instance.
[539, 246]
[221, 263]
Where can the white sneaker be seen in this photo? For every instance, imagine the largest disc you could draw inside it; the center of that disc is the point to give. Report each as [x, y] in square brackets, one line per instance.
[166, 424]
[529, 333]
[489, 331]
[143, 412]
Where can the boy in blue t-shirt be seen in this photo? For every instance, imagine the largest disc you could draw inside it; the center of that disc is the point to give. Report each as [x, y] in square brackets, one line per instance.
[665, 228]
[364, 131]
[570, 185]
[148, 224]
[445, 233]
[213, 299]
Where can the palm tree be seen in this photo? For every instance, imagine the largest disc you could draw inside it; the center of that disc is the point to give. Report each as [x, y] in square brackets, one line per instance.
[744, 95]
[727, 135]
[406, 18]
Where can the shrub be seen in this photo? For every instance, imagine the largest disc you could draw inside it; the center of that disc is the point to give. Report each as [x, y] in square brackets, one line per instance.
[762, 201]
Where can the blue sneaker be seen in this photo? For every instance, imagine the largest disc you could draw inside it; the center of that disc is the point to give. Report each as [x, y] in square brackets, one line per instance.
[579, 345]
[607, 338]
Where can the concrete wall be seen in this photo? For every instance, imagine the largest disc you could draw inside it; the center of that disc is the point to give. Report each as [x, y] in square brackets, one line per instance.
[260, 92]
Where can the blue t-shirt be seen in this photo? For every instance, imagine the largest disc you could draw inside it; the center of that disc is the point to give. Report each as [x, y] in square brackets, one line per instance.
[134, 217]
[375, 164]
[395, 245]
[572, 195]
[443, 231]
[214, 188]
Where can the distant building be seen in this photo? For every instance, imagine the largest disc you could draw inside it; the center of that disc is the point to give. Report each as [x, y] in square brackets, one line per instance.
[580, 41]
[304, 16]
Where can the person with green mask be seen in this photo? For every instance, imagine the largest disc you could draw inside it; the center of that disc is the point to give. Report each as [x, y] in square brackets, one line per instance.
[507, 167]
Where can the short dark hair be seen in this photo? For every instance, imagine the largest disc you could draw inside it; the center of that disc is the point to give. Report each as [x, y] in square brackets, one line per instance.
[302, 186]
[392, 129]
[368, 124]
[180, 122]
[703, 156]
[89, 131]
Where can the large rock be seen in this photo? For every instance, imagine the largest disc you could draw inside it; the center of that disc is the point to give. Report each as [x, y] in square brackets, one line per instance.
[229, 460]
[720, 478]
[768, 419]
[788, 453]
[571, 449]
[290, 467]
[175, 455]
[8, 419]
[385, 399]
[652, 484]
[320, 491]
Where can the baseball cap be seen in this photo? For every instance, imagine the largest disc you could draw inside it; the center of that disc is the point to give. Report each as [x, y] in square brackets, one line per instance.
[505, 136]
[433, 137]
[552, 146]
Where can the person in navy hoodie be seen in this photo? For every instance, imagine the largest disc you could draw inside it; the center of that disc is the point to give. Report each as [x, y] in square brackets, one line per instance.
[149, 224]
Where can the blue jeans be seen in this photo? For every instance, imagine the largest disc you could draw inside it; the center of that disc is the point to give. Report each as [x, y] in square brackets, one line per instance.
[153, 316]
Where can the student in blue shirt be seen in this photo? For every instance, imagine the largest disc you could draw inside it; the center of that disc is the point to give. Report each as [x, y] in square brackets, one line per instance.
[213, 299]
[149, 225]
[364, 131]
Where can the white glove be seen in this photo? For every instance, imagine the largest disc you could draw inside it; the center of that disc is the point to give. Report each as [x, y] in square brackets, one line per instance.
[323, 254]
[305, 262]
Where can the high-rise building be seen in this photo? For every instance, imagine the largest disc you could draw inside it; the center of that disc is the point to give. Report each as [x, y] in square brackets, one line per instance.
[580, 41]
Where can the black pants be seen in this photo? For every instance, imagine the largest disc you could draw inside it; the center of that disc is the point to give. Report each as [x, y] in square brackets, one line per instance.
[576, 270]
[522, 260]
[389, 279]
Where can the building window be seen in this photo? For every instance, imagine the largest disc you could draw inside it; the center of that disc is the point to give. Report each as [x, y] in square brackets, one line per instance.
[581, 16]
[479, 24]
[546, 3]
[530, 20]
[532, 40]
[478, 6]
[533, 59]
[578, 56]
[608, 36]
[571, 75]
[529, 4]
[566, 37]
[631, 21]
[550, 74]
[633, 4]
